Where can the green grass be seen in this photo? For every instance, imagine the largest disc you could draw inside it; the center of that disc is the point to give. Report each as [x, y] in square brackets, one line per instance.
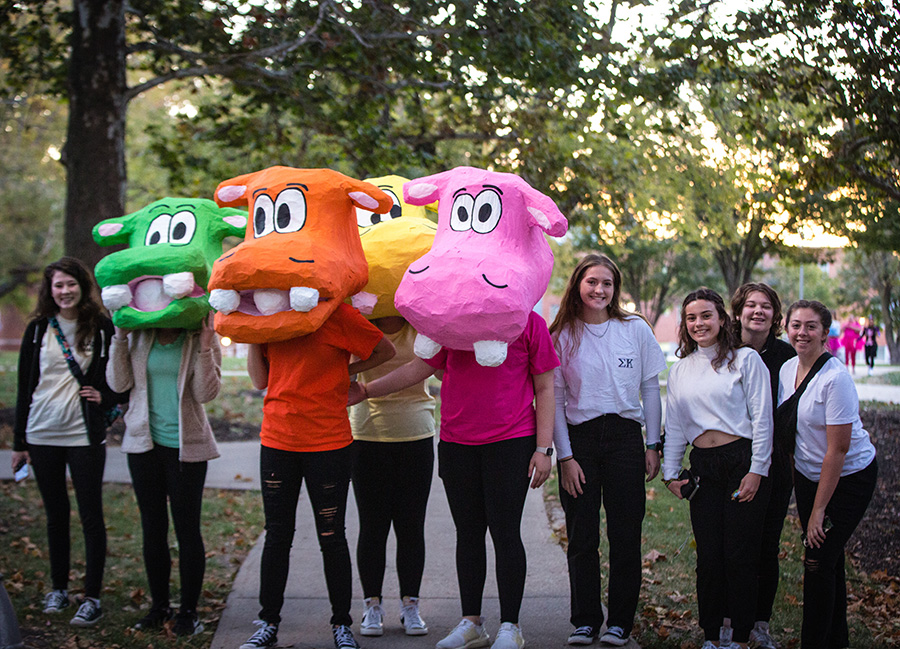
[667, 612]
[232, 520]
[891, 378]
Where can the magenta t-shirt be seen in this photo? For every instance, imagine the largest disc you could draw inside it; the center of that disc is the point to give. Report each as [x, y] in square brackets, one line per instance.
[482, 405]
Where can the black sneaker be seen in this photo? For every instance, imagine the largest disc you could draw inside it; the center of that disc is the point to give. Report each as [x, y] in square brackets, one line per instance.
[343, 637]
[266, 636]
[187, 623]
[155, 619]
[89, 613]
[584, 635]
[616, 636]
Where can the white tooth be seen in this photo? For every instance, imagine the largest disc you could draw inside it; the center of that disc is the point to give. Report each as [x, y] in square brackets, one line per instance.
[270, 301]
[364, 302]
[303, 298]
[490, 353]
[116, 296]
[149, 296]
[178, 285]
[224, 300]
[425, 347]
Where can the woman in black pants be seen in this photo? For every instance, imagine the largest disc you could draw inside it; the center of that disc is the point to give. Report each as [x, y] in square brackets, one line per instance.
[834, 472]
[394, 445]
[60, 422]
[171, 373]
[757, 319]
[719, 400]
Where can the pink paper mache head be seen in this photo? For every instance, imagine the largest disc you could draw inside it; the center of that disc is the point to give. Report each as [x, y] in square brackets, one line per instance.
[488, 267]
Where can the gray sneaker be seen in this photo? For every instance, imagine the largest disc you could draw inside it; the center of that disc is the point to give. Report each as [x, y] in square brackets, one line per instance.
[55, 601]
[760, 638]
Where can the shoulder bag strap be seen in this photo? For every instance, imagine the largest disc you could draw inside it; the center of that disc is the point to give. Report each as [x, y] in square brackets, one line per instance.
[67, 351]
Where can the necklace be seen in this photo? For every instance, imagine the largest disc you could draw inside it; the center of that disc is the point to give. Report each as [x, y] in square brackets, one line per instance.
[587, 327]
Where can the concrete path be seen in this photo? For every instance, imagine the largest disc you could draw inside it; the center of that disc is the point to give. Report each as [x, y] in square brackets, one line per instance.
[545, 609]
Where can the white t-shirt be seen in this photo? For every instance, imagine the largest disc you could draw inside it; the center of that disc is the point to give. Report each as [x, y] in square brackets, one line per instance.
[55, 417]
[830, 398]
[604, 375]
[735, 401]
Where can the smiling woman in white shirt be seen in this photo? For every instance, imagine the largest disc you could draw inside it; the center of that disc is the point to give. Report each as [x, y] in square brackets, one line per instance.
[834, 472]
[719, 400]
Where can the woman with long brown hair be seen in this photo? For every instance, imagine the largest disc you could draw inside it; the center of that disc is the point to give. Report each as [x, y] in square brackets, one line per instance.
[60, 421]
[719, 400]
[607, 388]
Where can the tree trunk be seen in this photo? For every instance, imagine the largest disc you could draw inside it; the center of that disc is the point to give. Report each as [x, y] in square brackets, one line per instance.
[889, 337]
[95, 139]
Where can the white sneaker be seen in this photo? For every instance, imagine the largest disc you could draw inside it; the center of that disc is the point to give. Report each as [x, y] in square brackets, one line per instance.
[616, 636]
[412, 621]
[466, 635]
[373, 618]
[761, 638]
[266, 635]
[509, 637]
[709, 644]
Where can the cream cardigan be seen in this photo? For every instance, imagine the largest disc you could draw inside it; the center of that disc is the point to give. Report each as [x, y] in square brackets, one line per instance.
[199, 379]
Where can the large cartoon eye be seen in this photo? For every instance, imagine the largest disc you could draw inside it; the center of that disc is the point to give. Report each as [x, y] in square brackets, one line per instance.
[290, 211]
[263, 222]
[182, 229]
[366, 218]
[488, 208]
[158, 231]
[461, 212]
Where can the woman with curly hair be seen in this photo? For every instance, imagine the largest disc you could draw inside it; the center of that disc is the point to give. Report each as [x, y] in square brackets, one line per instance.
[719, 400]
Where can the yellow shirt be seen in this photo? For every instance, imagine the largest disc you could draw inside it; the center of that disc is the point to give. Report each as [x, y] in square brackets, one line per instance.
[404, 416]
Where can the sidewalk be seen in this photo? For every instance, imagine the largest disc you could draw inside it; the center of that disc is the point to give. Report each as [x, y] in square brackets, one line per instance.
[545, 609]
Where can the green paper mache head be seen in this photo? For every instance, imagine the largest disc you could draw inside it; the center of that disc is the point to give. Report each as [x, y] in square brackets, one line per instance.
[160, 279]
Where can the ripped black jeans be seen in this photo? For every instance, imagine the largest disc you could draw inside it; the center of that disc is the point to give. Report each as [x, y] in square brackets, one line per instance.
[824, 583]
[327, 475]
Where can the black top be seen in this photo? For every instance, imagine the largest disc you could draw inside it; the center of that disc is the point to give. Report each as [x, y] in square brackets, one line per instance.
[774, 354]
[95, 376]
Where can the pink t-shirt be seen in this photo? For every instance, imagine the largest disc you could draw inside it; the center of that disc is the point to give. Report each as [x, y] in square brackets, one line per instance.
[482, 405]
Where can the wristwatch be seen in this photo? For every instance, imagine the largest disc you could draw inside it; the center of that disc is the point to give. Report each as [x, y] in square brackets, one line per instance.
[655, 446]
[544, 450]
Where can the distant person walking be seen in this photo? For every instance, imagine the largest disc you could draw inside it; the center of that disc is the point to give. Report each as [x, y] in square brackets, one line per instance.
[850, 339]
[870, 341]
[60, 422]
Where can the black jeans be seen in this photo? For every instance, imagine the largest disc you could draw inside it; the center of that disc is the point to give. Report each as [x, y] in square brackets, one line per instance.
[327, 475]
[486, 486]
[824, 584]
[781, 479]
[610, 451]
[86, 464]
[728, 535]
[392, 481]
[871, 353]
[162, 482]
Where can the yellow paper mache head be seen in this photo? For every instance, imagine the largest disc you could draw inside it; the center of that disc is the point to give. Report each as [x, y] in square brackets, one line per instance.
[391, 243]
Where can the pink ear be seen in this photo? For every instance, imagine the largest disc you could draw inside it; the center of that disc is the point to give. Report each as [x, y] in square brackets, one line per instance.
[231, 193]
[420, 192]
[364, 200]
[545, 215]
[109, 229]
[237, 220]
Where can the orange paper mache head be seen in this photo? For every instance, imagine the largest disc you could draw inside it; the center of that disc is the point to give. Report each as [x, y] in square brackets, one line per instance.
[301, 255]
